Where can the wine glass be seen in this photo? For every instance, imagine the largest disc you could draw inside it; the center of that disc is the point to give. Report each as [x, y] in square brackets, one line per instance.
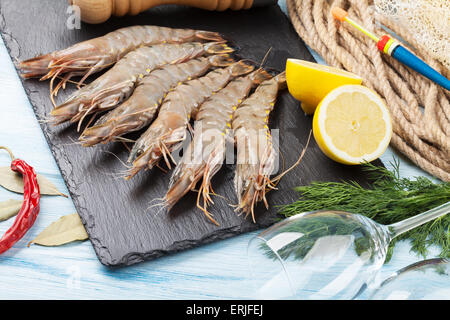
[424, 280]
[324, 254]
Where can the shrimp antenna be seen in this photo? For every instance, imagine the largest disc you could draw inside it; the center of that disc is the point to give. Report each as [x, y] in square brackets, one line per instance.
[159, 203]
[115, 175]
[70, 144]
[266, 56]
[161, 168]
[84, 116]
[117, 157]
[281, 175]
[283, 160]
[71, 81]
[122, 139]
[263, 61]
[46, 119]
[118, 174]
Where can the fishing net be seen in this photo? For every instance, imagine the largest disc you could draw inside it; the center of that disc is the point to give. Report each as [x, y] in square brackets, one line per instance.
[427, 20]
[419, 108]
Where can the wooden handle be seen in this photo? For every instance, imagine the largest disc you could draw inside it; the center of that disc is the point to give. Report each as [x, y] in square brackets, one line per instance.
[98, 11]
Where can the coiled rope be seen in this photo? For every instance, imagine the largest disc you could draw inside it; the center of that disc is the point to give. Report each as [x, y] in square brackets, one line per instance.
[419, 108]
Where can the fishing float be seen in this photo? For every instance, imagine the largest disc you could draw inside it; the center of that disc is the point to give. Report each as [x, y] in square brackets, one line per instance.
[393, 48]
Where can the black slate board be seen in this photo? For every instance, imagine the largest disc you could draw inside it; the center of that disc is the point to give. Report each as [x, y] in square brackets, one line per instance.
[115, 212]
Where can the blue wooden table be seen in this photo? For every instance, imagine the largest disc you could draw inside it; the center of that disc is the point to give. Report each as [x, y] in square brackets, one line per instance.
[215, 271]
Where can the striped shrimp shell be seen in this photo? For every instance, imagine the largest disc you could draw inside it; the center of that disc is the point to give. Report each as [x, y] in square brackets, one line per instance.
[140, 109]
[168, 131]
[118, 83]
[88, 57]
[207, 151]
[255, 153]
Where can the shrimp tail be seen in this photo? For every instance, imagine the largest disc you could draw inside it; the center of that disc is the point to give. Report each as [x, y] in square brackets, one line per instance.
[209, 36]
[259, 76]
[221, 60]
[218, 48]
[241, 68]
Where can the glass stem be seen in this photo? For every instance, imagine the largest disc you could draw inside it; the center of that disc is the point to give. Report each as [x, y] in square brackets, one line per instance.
[413, 222]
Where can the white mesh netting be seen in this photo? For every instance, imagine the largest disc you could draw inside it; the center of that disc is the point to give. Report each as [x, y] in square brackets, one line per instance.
[427, 20]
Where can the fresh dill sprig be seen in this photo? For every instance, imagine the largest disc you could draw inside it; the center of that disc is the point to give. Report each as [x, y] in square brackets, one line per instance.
[389, 199]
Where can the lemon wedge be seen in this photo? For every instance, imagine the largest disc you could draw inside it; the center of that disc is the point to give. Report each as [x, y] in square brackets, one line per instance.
[352, 125]
[310, 82]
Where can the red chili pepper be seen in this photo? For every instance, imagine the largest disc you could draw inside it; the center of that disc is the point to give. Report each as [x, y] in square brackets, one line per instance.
[30, 207]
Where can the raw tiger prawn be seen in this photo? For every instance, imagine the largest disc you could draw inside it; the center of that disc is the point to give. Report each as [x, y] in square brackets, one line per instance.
[140, 109]
[206, 153]
[108, 90]
[168, 130]
[88, 57]
[255, 152]
[160, 74]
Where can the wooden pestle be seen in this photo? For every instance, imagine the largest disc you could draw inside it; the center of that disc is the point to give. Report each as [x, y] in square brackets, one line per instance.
[98, 11]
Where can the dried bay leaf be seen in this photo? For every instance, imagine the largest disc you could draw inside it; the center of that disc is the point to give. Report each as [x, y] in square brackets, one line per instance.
[14, 182]
[64, 230]
[9, 208]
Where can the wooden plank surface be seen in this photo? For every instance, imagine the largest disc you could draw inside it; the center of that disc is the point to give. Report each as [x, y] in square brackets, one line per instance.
[73, 271]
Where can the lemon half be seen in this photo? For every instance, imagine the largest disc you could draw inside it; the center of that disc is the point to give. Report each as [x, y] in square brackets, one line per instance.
[310, 82]
[352, 125]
